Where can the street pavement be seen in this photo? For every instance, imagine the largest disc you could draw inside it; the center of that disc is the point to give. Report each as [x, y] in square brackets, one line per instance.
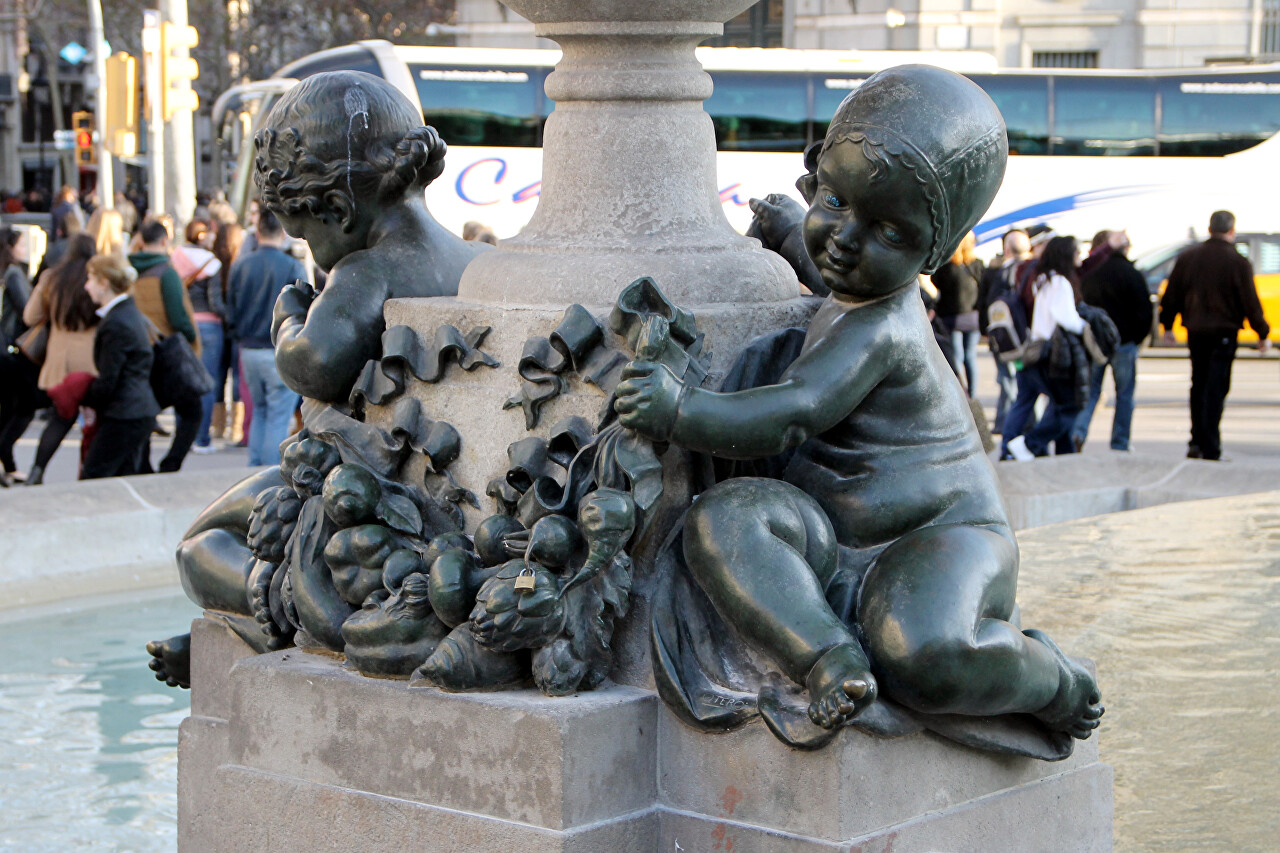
[1160, 424]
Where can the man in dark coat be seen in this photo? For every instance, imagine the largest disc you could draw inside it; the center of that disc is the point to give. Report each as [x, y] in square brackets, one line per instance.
[1115, 286]
[1212, 287]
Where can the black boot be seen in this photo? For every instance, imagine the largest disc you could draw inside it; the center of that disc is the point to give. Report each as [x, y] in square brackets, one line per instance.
[35, 476]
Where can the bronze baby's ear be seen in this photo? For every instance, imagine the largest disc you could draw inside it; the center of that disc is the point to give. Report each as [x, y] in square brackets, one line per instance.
[808, 182]
[341, 207]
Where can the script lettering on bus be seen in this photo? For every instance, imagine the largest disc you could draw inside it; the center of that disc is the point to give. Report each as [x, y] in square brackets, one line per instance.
[469, 188]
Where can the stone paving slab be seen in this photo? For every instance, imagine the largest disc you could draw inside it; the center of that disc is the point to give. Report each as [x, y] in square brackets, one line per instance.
[1063, 488]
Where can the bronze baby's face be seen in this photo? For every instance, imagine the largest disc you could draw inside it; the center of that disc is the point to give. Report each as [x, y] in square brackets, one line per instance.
[868, 228]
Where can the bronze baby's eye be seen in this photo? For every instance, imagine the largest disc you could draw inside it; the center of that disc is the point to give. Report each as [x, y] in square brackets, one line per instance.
[891, 234]
[833, 201]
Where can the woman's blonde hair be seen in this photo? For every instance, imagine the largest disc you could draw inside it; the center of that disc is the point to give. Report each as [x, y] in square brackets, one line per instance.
[966, 252]
[106, 227]
[112, 268]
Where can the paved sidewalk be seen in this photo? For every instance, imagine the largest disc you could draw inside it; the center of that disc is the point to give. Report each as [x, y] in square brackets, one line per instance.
[1161, 422]
[65, 465]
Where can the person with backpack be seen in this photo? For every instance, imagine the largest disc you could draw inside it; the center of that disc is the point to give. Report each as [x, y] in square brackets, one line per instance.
[998, 282]
[162, 298]
[1056, 291]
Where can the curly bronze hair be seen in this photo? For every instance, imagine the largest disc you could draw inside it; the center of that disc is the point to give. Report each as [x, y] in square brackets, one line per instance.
[346, 132]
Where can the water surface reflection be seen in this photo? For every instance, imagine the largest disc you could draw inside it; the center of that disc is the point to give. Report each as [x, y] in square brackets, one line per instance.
[88, 755]
[1180, 607]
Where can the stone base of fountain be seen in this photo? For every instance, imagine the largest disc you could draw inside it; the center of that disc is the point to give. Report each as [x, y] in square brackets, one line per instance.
[293, 751]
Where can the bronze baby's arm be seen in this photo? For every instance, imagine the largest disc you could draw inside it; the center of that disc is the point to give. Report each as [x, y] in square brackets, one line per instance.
[819, 390]
[322, 344]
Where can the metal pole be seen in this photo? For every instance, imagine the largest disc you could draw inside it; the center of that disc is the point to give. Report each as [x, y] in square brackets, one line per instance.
[179, 135]
[10, 63]
[106, 176]
[155, 115]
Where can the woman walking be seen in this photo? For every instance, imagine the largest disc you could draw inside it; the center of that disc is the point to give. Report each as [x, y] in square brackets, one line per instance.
[60, 301]
[226, 246]
[121, 394]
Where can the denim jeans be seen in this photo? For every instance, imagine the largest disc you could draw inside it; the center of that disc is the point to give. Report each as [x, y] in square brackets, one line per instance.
[273, 405]
[1053, 425]
[964, 345]
[1008, 385]
[1124, 373]
[211, 355]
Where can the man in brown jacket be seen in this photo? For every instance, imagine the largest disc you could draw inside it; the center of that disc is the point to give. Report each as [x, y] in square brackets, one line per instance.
[1211, 286]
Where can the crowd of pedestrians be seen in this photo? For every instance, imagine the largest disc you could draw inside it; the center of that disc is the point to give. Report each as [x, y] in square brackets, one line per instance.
[121, 323]
[1057, 319]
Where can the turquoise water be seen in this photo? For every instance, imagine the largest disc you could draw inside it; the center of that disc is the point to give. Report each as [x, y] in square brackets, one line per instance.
[89, 743]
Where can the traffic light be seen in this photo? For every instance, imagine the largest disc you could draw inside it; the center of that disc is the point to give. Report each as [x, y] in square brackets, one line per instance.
[177, 72]
[82, 124]
[120, 90]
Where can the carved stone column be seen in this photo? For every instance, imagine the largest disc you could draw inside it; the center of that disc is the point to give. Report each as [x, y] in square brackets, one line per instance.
[629, 168]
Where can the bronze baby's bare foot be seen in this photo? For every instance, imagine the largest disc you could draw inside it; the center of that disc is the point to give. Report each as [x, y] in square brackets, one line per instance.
[841, 686]
[1077, 708]
[171, 660]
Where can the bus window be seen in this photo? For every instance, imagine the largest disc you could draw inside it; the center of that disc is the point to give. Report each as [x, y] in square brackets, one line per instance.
[482, 106]
[828, 91]
[1104, 115]
[1024, 103]
[1212, 117]
[759, 112]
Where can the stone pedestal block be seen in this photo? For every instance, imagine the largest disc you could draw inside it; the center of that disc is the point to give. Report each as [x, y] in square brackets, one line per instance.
[311, 756]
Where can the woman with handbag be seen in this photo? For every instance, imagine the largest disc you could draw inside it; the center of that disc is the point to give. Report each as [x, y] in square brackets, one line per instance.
[61, 319]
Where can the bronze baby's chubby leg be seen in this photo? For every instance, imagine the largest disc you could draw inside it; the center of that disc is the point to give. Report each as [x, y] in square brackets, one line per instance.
[934, 611]
[214, 557]
[763, 551]
[213, 563]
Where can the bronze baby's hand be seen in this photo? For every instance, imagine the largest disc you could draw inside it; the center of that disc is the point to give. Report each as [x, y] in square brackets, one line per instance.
[775, 217]
[294, 301]
[648, 398]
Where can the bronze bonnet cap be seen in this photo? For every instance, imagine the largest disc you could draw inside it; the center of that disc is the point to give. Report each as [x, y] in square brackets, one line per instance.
[946, 129]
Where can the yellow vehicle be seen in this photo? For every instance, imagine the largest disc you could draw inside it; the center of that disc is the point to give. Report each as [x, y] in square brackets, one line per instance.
[1262, 250]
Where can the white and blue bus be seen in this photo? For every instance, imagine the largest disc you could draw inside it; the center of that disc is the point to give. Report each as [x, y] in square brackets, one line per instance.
[1151, 151]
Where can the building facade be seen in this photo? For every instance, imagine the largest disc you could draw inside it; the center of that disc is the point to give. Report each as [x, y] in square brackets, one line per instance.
[1019, 33]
